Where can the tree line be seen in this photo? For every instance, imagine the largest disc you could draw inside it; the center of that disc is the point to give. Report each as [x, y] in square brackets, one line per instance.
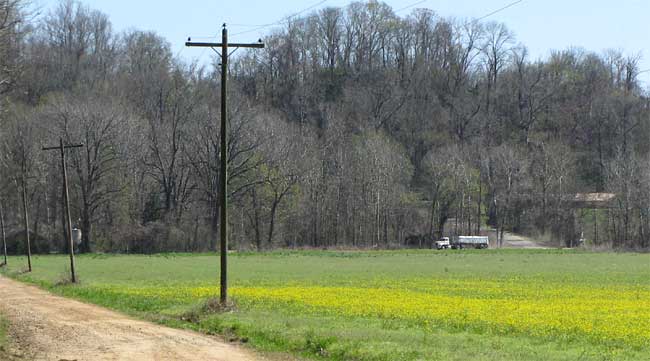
[354, 127]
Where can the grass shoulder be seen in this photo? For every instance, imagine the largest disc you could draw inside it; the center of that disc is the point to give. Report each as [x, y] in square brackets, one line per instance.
[4, 339]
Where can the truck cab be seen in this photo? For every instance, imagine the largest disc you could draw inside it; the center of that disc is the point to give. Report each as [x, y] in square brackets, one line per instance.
[443, 243]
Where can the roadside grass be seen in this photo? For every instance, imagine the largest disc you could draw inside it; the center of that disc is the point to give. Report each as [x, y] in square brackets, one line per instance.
[163, 288]
[4, 325]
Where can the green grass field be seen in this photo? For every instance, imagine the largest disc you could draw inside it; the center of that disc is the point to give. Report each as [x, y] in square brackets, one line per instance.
[404, 305]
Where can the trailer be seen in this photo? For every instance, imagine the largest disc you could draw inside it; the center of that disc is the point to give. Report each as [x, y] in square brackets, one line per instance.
[478, 242]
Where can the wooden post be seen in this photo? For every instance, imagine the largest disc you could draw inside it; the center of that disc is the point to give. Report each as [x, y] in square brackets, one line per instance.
[73, 276]
[4, 237]
[62, 148]
[26, 219]
[223, 177]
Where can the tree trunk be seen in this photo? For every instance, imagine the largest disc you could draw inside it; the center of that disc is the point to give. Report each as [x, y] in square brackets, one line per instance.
[337, 215]
[469, 213]
[431, 218]
[377, 222]
[37, 217]
[274, 207]
[256, 221]
[480, 198]
[86, 230]
[195, 239]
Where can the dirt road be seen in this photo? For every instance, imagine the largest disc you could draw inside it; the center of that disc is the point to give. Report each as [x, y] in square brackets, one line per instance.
[511, 240]
[48, 327]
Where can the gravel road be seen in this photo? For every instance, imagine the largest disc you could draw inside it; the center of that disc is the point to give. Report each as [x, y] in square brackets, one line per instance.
[48, 327]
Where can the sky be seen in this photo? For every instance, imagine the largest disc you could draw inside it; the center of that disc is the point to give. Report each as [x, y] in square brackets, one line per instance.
[541, 25]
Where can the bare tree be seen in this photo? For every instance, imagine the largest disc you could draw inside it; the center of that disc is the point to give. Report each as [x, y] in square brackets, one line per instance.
[495, 49]
[245, 136]
[13, 16]
[552, 173]
[98, 124]
[508, 185]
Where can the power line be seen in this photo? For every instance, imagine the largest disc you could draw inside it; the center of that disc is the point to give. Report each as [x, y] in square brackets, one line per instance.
[257, 27]
[396, 11]
[498, 10]
[283, 20]
[260, 26]
[410, 6]
[179, 52]
[287, 18]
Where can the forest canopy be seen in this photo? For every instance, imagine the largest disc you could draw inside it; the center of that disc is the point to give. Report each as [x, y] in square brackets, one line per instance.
[353, 127]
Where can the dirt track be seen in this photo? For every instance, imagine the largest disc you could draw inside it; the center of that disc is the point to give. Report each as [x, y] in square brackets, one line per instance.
[48, 327]
[511, 240]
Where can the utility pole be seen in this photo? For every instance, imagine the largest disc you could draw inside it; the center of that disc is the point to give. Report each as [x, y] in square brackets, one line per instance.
[62, 148]
[4, 238]
[223, 179]
[23, 185]
[26, 218]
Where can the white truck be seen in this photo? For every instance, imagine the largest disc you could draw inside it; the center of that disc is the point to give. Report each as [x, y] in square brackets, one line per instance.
[443, 243]
[478, 242]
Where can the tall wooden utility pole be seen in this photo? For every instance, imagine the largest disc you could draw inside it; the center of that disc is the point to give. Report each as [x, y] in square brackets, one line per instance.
[62, 148]
[223, 179]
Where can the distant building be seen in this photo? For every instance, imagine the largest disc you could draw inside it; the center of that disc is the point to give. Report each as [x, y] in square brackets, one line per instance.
[593, 200]
[591, 212]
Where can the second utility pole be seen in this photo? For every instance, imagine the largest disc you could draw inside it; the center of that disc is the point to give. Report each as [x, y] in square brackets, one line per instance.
[223, 179]
[4, 238]
[64, 172]
[26, 219]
